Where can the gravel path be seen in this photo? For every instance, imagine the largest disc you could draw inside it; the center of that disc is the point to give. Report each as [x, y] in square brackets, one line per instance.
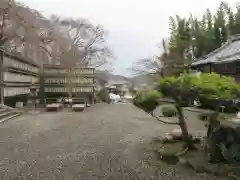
[104, 142]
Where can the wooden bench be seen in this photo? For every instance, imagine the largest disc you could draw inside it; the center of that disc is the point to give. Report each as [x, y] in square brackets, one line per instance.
[52, 104]
[78, 104]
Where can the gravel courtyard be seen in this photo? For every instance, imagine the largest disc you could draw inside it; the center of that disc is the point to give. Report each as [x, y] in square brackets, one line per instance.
[104, 142]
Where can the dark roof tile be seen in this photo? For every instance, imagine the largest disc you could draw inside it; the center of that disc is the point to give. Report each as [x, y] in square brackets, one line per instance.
[230, 49]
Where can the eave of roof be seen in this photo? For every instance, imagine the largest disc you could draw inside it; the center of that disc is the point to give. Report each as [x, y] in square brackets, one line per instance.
[59, 66]
[19, 57]
[226, 53]
[230, 59]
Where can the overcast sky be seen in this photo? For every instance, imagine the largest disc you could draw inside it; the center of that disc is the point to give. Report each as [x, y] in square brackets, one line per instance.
[135, 27]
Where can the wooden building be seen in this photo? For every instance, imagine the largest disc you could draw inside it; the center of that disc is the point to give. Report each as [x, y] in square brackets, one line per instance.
[224, 60]
[58, 82]
[17, 76]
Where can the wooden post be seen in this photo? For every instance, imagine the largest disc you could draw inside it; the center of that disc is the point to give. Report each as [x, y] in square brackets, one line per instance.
[42, 85]
[1, 78]
[70, 84]
[93, 93]
[210, 67]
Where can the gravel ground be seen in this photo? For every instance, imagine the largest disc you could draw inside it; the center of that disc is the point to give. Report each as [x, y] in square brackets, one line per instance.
[104, 142]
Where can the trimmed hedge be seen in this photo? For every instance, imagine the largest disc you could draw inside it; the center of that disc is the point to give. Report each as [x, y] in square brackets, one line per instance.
[168, 110]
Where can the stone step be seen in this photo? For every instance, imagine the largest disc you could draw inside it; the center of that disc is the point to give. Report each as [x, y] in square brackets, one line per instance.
[15, 114]
[7, 113]
[2, 110]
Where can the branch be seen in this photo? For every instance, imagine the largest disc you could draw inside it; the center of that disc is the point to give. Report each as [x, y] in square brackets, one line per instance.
[3, 23]
[46, 50]
[101, 64]
[165, 122]
[147, 66]
[3, 40]
[138, 71]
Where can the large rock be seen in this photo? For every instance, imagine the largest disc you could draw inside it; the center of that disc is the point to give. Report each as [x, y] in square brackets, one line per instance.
[176, 133]
[167, 137]
[223, 144]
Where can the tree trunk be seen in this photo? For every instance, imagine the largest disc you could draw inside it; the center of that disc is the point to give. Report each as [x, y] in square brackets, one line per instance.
[213, 122]
[183, 126]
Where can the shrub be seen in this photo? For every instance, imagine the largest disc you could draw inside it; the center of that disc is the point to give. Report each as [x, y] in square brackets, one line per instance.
[216, 91]
[168, 110]
[220, 90]
[214, 86]
[229, 105]
[181, 88]
[147, 100]
[184, 89]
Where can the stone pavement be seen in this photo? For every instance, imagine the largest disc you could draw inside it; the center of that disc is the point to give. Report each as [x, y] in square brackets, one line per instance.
[104, 142]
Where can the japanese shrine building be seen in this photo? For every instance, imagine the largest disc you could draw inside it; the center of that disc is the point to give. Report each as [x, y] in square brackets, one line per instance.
[224, 60]
[17, 76]
[56, 82]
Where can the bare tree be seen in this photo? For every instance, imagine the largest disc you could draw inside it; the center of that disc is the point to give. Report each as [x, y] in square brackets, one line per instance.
[18, 22]
[148, 66]
[170, 62]
[8, 23]
[23, 30]
[152, 66]
[77, 42]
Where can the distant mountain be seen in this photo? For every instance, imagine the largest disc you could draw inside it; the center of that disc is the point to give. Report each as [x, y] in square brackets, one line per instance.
[111, 78]
[141, 80]
[136, 81]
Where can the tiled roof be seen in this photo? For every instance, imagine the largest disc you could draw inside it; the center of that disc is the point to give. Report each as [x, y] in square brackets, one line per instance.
[229, 51]
[232, 58]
